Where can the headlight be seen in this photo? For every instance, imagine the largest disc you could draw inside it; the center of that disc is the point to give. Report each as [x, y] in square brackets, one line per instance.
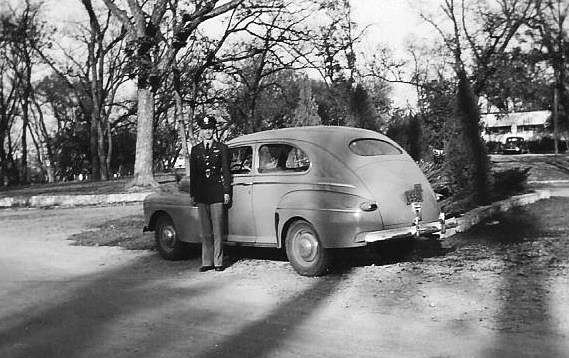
[368, 206]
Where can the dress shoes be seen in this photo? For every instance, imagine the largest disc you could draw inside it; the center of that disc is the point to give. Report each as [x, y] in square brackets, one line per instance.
[206, 268]
[219, 268]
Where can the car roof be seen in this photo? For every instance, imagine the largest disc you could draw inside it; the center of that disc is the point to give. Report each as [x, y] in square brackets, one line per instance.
[323, 135]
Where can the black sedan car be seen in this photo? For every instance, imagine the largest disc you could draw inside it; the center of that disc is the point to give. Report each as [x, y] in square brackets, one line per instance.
[515, 145]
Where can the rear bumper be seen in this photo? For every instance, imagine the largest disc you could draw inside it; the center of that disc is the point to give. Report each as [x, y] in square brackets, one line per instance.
[413, 230]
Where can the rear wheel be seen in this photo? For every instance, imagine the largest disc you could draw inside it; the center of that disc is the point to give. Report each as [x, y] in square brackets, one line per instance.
[167, 242]
[305, 251]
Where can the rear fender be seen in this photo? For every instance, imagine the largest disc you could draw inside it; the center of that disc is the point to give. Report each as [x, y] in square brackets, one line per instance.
[335, 216]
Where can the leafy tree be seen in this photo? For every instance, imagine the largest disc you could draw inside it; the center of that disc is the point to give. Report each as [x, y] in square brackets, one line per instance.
[306, 111]
[362, 111]
[72, 149]
[406, 129]
[520, 83]
[436, 102]
[275, 104]
[480, 34]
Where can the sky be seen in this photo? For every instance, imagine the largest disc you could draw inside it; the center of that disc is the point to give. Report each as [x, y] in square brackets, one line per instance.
[391, 23]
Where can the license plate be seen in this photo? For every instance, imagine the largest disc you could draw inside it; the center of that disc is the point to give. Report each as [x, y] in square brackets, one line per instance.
[414, 195]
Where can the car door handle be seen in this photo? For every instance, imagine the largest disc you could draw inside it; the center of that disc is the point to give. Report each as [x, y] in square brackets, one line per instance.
[244, 184]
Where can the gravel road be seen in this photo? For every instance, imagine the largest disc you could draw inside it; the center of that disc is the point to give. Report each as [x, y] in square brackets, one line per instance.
[500, 290]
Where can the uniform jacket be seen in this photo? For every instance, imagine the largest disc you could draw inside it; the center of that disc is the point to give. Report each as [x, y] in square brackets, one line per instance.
[209, 173]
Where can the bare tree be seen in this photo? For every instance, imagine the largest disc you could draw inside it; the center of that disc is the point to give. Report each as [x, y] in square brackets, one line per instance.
[333, 54]
[9, 84]
[279, 43]
[21, 32]
[94, 76]
[552, 16]
[154, 56]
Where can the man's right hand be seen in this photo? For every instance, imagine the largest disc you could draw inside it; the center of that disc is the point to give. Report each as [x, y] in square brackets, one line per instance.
[193, 201]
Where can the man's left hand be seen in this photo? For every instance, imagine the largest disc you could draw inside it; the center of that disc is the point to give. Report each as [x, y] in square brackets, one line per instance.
[226, 199]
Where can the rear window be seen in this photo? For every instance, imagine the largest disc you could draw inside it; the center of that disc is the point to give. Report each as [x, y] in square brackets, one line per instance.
[369, 147]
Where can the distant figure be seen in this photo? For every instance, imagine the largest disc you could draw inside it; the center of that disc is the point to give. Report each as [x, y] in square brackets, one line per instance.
[210, 186]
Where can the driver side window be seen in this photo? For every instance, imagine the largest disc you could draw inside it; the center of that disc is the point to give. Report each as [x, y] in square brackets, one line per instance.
[241, 160]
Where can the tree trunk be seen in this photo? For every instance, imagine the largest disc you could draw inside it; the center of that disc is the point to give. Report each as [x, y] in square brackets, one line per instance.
[3, 156]
[143, 171]
[182, 132]
[25, 125]
[109, 148]
[101, 151]
[555, 116]
[49, 162]
[93, 145]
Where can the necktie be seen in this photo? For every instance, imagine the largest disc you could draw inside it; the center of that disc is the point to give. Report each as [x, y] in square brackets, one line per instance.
[207, 146]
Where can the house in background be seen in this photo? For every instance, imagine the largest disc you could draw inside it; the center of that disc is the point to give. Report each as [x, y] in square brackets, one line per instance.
[500, 126]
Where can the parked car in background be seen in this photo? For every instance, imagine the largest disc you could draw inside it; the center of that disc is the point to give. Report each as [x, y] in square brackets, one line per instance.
[308, 190]
[515, 145]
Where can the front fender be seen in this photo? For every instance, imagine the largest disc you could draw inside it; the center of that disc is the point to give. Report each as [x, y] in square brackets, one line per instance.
[179, 208]
[336, 216]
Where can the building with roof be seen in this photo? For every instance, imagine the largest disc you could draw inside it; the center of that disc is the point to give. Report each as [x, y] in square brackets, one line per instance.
[500, 126]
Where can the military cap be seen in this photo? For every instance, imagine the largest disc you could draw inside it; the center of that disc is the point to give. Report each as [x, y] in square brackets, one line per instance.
[207, 122]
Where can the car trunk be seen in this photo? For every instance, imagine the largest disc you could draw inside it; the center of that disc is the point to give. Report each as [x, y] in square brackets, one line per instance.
[395, 183]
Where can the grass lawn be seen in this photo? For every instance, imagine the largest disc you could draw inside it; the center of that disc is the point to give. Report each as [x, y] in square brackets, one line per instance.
[124, 232]
[80, 187]
[543, 167]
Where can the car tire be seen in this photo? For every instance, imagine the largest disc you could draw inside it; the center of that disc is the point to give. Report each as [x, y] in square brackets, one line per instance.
[167, 242]
[304, 250]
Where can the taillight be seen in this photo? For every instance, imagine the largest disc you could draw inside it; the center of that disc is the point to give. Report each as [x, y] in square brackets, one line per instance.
[368, 206]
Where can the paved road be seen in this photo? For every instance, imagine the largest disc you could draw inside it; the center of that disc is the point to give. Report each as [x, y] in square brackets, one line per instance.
[501, 291]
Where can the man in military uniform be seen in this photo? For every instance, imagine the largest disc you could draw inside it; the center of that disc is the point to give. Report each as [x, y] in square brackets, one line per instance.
[210, 187]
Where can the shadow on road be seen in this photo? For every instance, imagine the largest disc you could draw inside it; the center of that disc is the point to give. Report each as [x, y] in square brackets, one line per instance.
[260, 338]
[91, 308]
[527, 240]
[133, 311]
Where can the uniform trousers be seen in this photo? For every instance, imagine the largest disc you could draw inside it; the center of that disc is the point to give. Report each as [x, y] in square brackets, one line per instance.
[212, 219]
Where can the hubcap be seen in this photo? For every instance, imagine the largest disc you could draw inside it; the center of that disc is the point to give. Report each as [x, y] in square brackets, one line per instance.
[168, 236]
[307, 246]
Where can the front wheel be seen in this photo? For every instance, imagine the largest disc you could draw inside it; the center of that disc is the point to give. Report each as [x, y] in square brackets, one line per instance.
[304, 250]
[167, 242]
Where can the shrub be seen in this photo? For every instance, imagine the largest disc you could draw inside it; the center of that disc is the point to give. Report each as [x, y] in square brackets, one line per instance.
[436, 175]
[494, 147]
[467, 161]
[505, 183]
[546, 144]
[509, 182]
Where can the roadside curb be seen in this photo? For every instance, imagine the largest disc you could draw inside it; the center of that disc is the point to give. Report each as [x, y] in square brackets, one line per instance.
[46, 201]
[560, 181]
[482, 213]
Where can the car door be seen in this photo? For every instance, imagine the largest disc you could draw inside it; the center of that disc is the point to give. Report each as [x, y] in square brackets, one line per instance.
[241, 222]
[279, 167]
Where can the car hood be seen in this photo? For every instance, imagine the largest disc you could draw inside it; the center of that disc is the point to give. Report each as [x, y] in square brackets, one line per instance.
[388, 180]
